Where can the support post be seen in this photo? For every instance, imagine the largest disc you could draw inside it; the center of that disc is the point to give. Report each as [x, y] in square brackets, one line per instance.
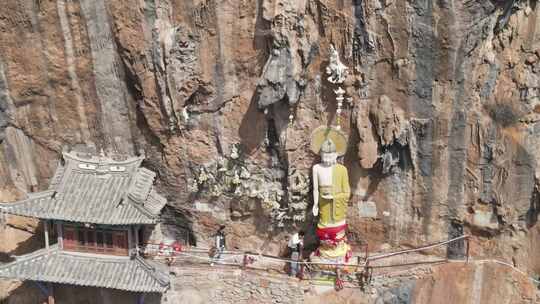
[338, 285]
[130, 243]
[42, 288]
[140, 298]
[468, 247]
[365, 273]
[367, 252]
[50, 297]
[46, 232]
[244, 261]
[136, 228]
[60, 235]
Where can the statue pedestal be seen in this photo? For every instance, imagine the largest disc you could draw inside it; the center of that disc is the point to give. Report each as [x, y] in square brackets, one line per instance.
[347, 265]
[333, 248]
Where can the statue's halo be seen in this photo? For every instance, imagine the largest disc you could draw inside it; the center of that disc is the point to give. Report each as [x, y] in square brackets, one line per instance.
[320, 134]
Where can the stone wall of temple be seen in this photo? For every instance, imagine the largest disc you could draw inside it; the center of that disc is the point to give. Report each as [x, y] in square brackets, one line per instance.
[222, 96]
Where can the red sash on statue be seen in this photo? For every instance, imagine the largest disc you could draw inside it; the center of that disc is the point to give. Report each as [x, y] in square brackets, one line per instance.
[331, 233]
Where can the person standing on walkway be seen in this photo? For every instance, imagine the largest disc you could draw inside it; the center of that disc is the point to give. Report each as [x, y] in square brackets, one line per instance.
[296, 245]
[219, 239]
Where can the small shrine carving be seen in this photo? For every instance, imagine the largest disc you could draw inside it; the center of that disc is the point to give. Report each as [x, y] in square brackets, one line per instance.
[336, 69]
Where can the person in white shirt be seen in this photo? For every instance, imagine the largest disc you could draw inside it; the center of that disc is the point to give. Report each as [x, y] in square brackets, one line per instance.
[296, 245]
[219, 243]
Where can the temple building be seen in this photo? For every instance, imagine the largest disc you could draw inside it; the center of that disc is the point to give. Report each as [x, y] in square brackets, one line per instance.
[96, 214]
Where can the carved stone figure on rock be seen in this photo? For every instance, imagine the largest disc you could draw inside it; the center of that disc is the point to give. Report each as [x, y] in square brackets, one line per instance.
[336, 69]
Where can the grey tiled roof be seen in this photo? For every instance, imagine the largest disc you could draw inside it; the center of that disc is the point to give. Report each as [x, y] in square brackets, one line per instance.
[94, 270]
[95, 190]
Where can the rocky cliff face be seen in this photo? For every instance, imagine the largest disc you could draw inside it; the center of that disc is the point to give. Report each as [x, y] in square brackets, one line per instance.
[443, 117]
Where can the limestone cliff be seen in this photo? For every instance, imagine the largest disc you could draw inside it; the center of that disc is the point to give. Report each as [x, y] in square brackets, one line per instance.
[221, 96]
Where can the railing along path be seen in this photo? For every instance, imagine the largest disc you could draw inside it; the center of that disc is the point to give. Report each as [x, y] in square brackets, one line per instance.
[171, 253]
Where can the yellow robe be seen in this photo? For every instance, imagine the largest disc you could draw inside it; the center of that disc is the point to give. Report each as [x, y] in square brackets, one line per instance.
[333, 211]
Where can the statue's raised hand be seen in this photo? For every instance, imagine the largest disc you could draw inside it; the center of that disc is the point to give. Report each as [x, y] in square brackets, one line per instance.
[315, 210]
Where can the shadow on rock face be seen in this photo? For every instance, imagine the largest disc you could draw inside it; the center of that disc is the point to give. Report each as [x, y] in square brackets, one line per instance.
[253, 127]
[534, 210]
[178, 225]
[502, 114]
[455, 250]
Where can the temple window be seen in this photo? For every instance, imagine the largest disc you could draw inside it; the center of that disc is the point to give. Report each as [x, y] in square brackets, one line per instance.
[106, 241]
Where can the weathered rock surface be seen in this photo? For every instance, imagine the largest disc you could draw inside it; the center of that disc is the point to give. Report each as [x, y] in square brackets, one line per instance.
[221, 96]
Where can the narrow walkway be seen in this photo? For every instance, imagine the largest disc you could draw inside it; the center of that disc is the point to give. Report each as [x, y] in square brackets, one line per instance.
[383, 264]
